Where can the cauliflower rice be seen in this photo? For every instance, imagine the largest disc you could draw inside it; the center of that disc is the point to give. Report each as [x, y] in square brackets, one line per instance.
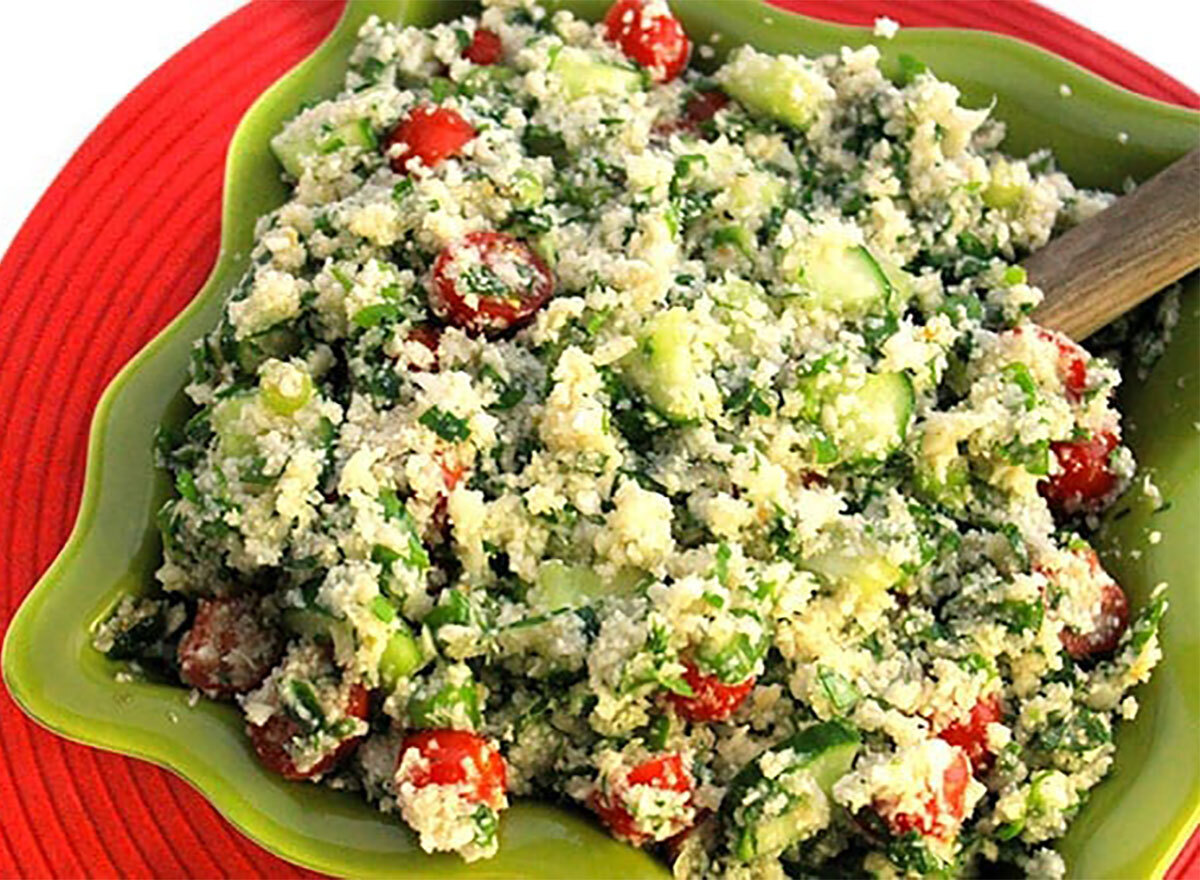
[763, 537]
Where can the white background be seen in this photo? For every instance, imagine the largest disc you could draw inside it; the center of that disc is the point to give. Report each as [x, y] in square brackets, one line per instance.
[66, 74]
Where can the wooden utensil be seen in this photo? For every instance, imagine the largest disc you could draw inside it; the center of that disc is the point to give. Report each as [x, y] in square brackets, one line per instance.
[1108, 264]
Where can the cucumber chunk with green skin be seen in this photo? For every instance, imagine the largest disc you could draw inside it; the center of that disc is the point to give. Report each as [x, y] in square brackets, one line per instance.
[581, 74]
[666, 367]
[560, 585]
[872, 421]
[785, 88]
[404, 655]
[866, 421]
[845, 279]
[764, 815]
[291, 149]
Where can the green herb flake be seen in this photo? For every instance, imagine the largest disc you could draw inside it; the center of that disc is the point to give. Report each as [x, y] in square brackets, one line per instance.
[445, 424]
[383, 609]
[374, 315]
[1020, 376]
[186, 484]
[842, 693]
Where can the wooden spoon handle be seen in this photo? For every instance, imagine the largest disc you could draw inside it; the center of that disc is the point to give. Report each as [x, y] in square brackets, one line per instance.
[1108, 264]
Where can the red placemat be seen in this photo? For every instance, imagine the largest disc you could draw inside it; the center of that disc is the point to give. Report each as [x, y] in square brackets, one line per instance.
[120, 242]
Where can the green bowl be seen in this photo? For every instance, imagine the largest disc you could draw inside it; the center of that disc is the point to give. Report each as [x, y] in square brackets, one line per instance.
[1132, 827]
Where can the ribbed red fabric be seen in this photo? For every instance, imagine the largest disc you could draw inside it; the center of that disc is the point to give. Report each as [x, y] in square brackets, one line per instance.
[123, 238]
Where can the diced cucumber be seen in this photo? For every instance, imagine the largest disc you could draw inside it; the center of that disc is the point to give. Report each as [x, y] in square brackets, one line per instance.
[570, 586]
[951, 488]
[764, 814]
[404, 655]
[291, 148]
[581, 73]
[285, 390]
[845, 279]
[901, 282]
[755, 192]
[867, 421]
[226, 419]
[1002, 195]
[665, 366]
[525, 190]
[322, 626]
[875, 421]
[546, 247]
[784, 88]
[858, 563]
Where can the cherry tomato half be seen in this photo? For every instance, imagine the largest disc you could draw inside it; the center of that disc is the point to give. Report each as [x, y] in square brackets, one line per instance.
[1110, 618]
[452, 757]
[1072, 359]
[970, 734]
[227, 650]
[485, 47]
[664, 772]
[712, 699]
[430, 134]
[658, 42]
[1072, 363]
[1085, 474]
[944, 809]
[489, 282]
[270, 740]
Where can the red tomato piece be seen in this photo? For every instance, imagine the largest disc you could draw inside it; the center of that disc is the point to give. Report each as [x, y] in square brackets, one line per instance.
[664, 772]
[703, 106]
[270, 740]
[1072, 364]
[1111, 617]
[429, 336]
[970, 734]
[454, 757]
[712, 699]
[1072, 360]
[228, 650]
[452, 474]
[1085, 476]
[430, 134]
[489, 282]
[699, 108]
[657, 42]
[944, 809]
[485, 47]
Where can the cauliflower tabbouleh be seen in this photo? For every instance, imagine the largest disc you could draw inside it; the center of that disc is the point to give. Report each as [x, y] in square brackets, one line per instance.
[676, 445]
